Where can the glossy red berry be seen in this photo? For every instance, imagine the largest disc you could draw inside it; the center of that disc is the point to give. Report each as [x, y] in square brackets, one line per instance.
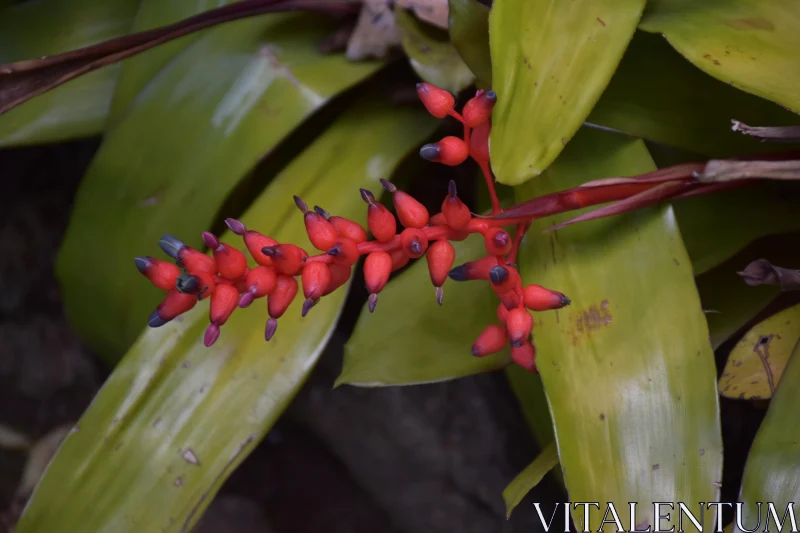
[287, 258]
[316, 277]
[259, 282]
[525, 356]
[223, 302]
[491, 340]
[414, 242]
[339, 276]
[344, 252]
[194, 261]
[519, 324]
[438, 102]
[479, 143]
[538, 298]
[497, 241]
[377, 267]
[441, 256]
[160, 273]
[321, 232]
[281, 298]
[174, 304]
[231, 263]
[411, 213]
[473, 270]
[503, 278]
[478, 109]
[450, 151]
[380, 220]
[456, 214]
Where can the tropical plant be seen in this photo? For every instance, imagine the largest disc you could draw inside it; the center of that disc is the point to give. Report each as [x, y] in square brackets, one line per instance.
[625, 103]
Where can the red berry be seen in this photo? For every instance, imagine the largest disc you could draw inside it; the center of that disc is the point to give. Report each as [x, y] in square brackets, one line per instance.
[344, 252]
[479, 143]
[321, 232]
[450, 151]
[437, 101]
[256, 242]
[260, 281]
[316, 278]
[223, 302]
[414, 242]
[287, 258]
[231, 263]
[160, 273]
[525, 356]
[538, 298]
[478, 109]
[441, 256]
[497, 241]
[503, 278]
[174, 304]
[380, 220]
[492, 340]
[194, 261]
[279, 300]
[377, 267]
[349, 229]
[519, 324]
[339, 276]
[399, 259]
[456, 214]
[474, 269]
[411, 213]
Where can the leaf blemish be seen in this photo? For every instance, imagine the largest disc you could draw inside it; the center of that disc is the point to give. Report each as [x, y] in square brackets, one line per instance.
[601, 21]
[190, 457]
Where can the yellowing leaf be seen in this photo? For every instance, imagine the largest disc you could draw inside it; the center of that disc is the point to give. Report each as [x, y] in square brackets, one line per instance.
[530, 477]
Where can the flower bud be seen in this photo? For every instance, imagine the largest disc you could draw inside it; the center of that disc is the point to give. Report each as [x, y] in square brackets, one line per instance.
[519, 324]
[456, 214]
[497, 241]
[344, 252]
[479, 143]
[260, 281]
[230, 262]
[279, 300]
[478, 109]
[411, 213]
[474, 269]
[414, 242]
[491, 340]
[256, 242]
[287, 258]
[437, 101]
[339, 276]
[174, 304]
[321, 232]
[538, 298]
[223, 302]
[344, 227]
[380, 220]
[160, 273]
[377, 267]
[399, 259]
[316, 277]
[440, 256]
[450, 151]
[525, 356]
[194, 261]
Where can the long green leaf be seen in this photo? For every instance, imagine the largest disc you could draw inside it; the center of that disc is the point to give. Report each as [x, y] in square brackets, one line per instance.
[771, 474]
[469, 33]
[630, 355]
[219, 107]
[530, 477]
[175, 418]
[551, 61]
[35, 29]
[410, 339]
[750, 44]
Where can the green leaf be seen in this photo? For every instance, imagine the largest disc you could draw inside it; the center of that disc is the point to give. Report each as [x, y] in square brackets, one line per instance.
[140, 69]
[200, 126]
[469, 33]
[530, 477]
[431, 55]
[529, 390]
[771, 474]
[630, 355]
[551, 60]
[410, 339]
[757, 362]
[657, 95]
[34, 29]
[751, 45]
[175, 418]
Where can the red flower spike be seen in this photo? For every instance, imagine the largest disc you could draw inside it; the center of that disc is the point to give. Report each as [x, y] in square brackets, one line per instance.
[497, 241]
[377, 267]
[223, 303]
[491, 340]
[503, 278]
[279, 300]
[339, 276]
[519, 324]
[437, 101]
[450, 151]
[478, 109]
[479, 143]
[231, 263]
[538, 298]
[441, 256]
[414, 242]
[287, 258]
[205, 286]
[411, 213]
[160, 273]
[344, 227]
[344, 252]
[456, 214]
[438, 220]
[380, 220]
[474, 269]
[174, 304]
[260, 282]
[525, 356]
[509, 300]
[316, 277]
[320, 231]
[502, 313]
[399, 259]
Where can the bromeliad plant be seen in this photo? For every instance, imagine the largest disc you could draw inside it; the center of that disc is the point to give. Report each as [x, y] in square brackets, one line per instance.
[226, 280]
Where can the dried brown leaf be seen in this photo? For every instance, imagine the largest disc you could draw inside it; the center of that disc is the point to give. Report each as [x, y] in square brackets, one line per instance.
[722, 170]
[781, 134]
[762, 272]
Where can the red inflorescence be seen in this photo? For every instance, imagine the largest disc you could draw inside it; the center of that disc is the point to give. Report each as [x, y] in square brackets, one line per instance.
[225, 278]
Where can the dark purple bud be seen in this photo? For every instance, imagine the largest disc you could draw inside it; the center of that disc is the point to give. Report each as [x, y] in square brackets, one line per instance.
[367, 196]
[187, 284]
[247, 297]
[459, 273]
[272, 327]
[171, 245]
[451, 189]
[156, 321]
[388, 186]
[307, 305]
[430, 152]
[270, 251]
[301, 205]
[211, 335]
[498, 274]
[235, 226]
[211, 240]
[143, 263]
[321, 212]
[372, 302]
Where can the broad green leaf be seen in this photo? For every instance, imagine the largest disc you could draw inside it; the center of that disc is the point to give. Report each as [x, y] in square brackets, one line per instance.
[469, 33]
[206, 120]
[175, 418]
[410, 339]
[657, 95]
[139, 70]
[750, 44]
[770, 474]
[551, 60]
[34, 29]
[530, 477]
[431, 55]
[756, 364]
[529, 390]
[630, 355]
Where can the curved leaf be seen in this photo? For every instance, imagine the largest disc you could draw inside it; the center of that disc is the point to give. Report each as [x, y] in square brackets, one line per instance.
[771, 474]
[431, 55]
[756, 363]
[175, 418]
[551, 60]
[530, 477]
[410, 339]
[751, 45]
[630, 355]
[207, 119]
[469, 33]
[35, 29]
